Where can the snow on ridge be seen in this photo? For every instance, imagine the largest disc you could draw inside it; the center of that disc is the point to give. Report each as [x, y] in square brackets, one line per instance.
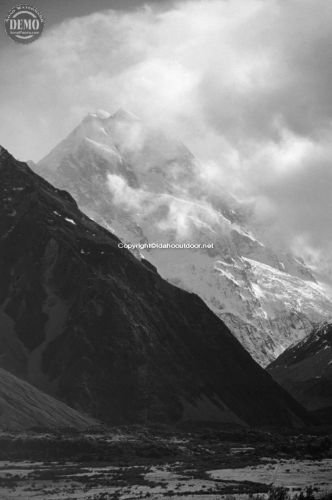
[101, 113]
[103, 147]
[123, 114]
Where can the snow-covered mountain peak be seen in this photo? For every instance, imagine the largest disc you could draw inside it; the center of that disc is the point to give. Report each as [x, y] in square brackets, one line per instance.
[103, 125]
[119, 115]
[146, 186]
[122, 144]
[101, 114]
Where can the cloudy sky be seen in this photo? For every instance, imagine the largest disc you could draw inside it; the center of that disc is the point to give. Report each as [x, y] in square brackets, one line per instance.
[245, 83]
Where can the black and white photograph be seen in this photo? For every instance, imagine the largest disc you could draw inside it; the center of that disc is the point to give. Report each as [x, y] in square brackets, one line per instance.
[166, 250]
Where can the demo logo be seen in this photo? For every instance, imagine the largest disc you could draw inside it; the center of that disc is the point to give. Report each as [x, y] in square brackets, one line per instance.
[24, 24]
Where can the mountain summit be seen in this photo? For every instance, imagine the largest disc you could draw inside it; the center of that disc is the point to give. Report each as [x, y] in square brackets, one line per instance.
[123, 115]
[92, 325]
[146, 186]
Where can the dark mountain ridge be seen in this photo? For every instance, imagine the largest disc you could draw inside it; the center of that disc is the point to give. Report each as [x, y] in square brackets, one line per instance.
[90, 324]
[305, 369]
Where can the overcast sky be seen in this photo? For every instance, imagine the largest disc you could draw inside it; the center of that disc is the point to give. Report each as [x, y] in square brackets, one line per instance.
[245, 83]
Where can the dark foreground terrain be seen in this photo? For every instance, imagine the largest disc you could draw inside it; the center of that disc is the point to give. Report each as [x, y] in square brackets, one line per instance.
[159, 463]
[89, 324]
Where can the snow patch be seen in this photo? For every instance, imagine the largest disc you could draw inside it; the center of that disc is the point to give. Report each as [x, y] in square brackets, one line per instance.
[102, 114]
[70, 220]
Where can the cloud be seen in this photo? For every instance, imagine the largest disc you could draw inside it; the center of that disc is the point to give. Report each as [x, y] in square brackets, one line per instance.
[182, 218]
[246, 85]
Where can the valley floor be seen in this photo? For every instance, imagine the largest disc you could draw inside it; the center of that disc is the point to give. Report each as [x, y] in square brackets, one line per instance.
[145, 463]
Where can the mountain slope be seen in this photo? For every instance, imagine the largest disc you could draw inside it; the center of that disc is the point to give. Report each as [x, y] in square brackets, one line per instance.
[22, 406]
[89, 323]
[305, 370]
[147, 188]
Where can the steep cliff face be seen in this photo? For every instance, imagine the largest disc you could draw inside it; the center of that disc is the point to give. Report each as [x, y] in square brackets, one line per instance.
[87, 322]
[305, 369]
[148, 188]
